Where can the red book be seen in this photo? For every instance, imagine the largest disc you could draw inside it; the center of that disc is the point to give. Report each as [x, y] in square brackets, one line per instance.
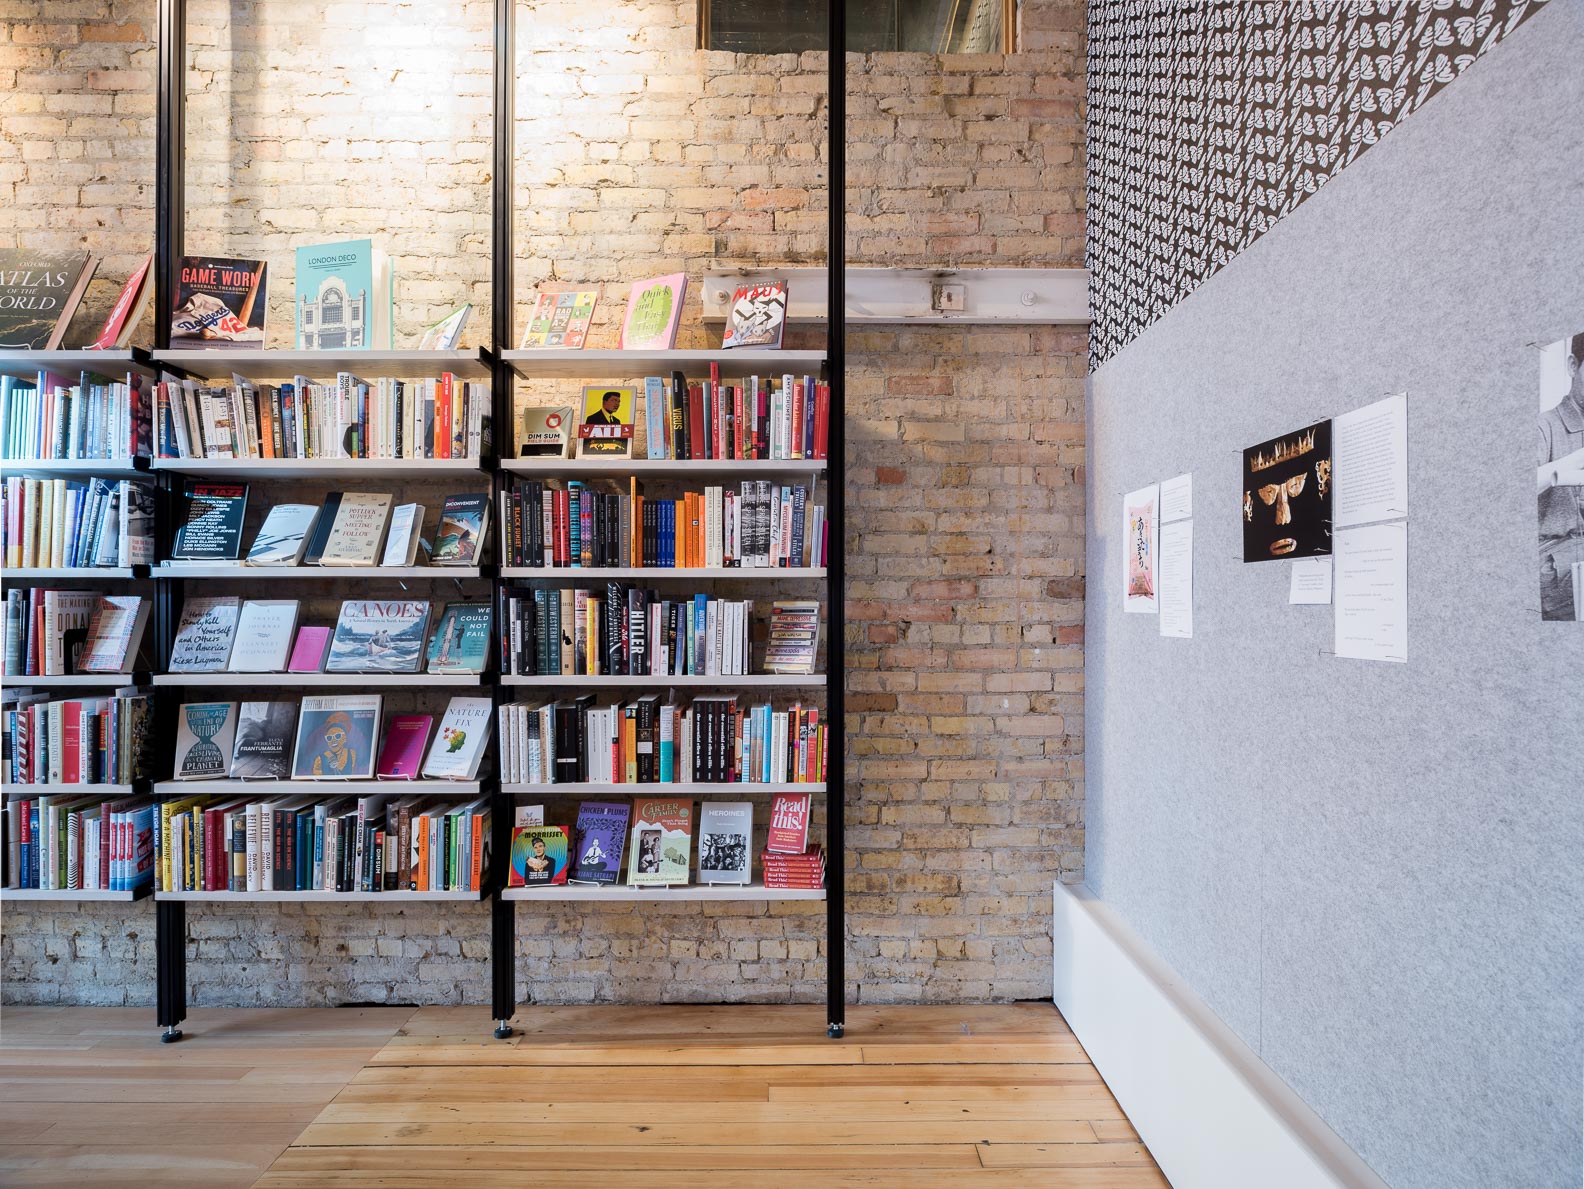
[789, 823]
[71, 742]
[127, 311]
[442, 432]
[402, 754]
[799, 411]
[696, 442]
[821, 420]
[737, 423]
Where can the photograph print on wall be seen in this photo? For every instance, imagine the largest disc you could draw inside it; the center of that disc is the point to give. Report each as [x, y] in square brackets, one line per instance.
[1287, 493]
[1561, 481]
[1140, 524]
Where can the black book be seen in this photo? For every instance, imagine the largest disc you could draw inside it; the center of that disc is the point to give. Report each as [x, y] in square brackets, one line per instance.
[376, 860]
[581, 706]
[536, 526]
[679, 418]
[615, 658]
[638, 632]
[302, 851]
[673, 635]
[209, 521]
[566, 757]
[648, 742]
[321, 530]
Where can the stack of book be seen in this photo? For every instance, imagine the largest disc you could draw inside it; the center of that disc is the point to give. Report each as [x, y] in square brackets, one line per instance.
[789, 861]
[794, 636]
[54, 419]
[58, 633]
[69, 843]
[67, 522]
[76, 740]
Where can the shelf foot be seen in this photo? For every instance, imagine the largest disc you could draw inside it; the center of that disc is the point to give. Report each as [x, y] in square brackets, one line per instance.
[836, 1031]
[502, 1030]
[170, 1036]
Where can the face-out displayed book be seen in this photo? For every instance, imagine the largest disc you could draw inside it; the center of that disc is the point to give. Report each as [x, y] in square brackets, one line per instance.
[545, 431]
[357, 529]
[345, 296]
[725, 842]
[220, 303]
[789, 823]
[464, 519]
[662, 843]
[757, 317]
[538, 856]
[209, 521]
[39, 293]
[560, 319]
[460, 643]
[374, 636]
[402, 750]
[459, 742]
[263, 747]
[446, 333]
[204, 635]
[404, 536]
[283, 537]
[205, 732]
[601, 837]
[606, 427]
[654, 307]
[309, 652]
[115, 634]
[127, 313]
[263, 639]
[336, 738]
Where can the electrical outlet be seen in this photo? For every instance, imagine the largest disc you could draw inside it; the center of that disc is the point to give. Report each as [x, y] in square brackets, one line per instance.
[949, 298]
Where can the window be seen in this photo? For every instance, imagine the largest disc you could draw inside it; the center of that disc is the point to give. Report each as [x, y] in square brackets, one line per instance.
[873, 26]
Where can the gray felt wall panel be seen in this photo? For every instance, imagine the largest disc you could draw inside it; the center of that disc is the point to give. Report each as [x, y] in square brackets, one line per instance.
[1372, 872]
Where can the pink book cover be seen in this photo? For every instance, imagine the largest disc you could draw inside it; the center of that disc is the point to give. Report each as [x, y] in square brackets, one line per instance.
[403, 751]
[308, 654]
[789, 823]
[654, 307]
[118, 327]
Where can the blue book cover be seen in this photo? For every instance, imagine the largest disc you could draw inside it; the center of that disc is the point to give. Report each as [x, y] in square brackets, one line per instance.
[345, 294]
[601, 833]
[460, 643]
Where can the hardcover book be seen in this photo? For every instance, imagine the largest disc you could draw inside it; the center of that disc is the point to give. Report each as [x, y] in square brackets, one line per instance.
[264, 741]
[220, 302]
[662, 842]
[606, 429]
[263, 636]
[725, 842]
[458, 745]
[345, 295]
[378, 637]
[67, 614]
[124, 317]
[446, 333]
[757, 317]
[209, 521]
[463, 521]
[357, 535]
[404, 536]
[204, 735]
[654, 307]
[284, 535]
[115, 633]
[538, 856]
[308, 654]
[39, 293]
[601, 836]
[204, 635]
[335, 738]
[402, 752]
[545, 431]
[560, 319]
[460, 643]
[789, 823]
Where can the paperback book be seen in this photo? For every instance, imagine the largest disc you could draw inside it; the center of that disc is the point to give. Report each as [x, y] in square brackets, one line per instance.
[725, 842]
[404, 536]
[460, 643]
[601, 836]
[308, 654]
[545, 431]
[560, 319]
[458, 746]
[39, 293]
[263, 636]
[127, 313]
[205, 732]
[204, 635]
[115, 634]
[606, 430]
[538, 856]
[446, 333]
[220, 302]
[654, 307]
[345, 297]
[284, 535]
[357, 531]
[264, 741]
[209, 521]
[757, 317]
[378, 637]
[401, 753]
[463, 522]
[335, 738]
[662, 843]
[789, 823]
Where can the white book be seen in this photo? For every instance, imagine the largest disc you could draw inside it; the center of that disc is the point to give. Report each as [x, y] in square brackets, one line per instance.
[254, 855]
[725, 830]
[357, 535]
[204, 635]
[458, 746]
[284, 535]
[406, 530]
[264, 632]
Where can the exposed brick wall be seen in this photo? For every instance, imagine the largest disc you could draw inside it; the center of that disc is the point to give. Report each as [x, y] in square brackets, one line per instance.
[965, 496]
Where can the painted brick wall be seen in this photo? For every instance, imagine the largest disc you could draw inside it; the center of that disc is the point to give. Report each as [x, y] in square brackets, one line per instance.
[637, 156]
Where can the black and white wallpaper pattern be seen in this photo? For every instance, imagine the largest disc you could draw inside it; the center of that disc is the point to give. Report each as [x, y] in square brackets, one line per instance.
[1209, 120]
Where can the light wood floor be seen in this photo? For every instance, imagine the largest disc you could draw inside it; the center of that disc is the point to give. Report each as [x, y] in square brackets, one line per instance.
[915, 1096]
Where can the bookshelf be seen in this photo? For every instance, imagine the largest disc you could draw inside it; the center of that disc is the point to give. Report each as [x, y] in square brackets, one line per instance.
[246, 469]
[33, 575]
[623, 365]
[322, 680]
[240, 572]
[71, 895]
[616, 893]
[606, 681]
[319, 365]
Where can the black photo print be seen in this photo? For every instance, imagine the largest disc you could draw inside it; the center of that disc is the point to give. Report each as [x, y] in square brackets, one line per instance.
[1287, 496]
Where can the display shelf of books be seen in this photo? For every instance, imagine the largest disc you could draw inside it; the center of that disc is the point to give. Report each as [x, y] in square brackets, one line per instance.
[611, 893]
[239, 470]
[87, 790]
[80, 680]
[644, 467]
[556, 364]
[660, 573]
[319, 680]
[686, 788]
[30, 574]
[112, 365]
[236, 570]
[326, 788]
[316, 897]
[78, 895]
[278, 365]
[73, 468]
[786, 680]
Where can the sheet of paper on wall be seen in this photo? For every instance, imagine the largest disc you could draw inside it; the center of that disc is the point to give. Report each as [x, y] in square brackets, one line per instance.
[1176, 498]
[1140, 532]
[1369, 449]
[1372, 592]
[1176, 579]
[1311, 581]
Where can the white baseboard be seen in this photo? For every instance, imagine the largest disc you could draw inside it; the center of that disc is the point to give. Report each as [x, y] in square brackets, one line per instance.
[1211, 1112]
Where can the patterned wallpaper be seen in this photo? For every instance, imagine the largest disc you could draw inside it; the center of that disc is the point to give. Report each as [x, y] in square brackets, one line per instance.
[1211, 119]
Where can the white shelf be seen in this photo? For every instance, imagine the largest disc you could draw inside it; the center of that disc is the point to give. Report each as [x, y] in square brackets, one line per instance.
[73, 894]
[319, 679]
[283, 365]
[685, 788]
[626, 365]
[108, 791]
[789, 680]
[750, 573]
[112, 365]
[316, 897]
[81, 680]
[615, 892]
[73, 573]
[329, 788]
[234, 570]
[572, 467]
[243, 469]
[68, 468]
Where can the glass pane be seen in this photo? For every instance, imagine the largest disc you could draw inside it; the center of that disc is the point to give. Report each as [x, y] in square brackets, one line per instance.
[873, 26]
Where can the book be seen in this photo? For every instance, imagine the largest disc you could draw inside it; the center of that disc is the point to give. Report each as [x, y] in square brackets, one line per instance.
[345, 296]
[538, 856]
[204, 735]
[308, 654]
[283, 536]
[263, 746]
[458, 746]
[378, 637]
[463, 522]
[357, 532]
[335, 738]
[601, 835]
[460, 643]
[220, 302]
[757, 317]
[560, 318]
[320, 535]
[725, 840]
[789, 823]
[263, 636]
[39, 293]
[606, 427]
[127, 313]
[545, 431]
[209, 521]
[204, 635]
[654, 307]
[794, 636]
[662, 842]
[67, 615]
[115, 634]
[446, 333]
[404, 536]
[401, 753]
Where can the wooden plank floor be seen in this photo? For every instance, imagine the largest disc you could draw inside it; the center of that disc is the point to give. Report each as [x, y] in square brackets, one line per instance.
[921, 1096]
